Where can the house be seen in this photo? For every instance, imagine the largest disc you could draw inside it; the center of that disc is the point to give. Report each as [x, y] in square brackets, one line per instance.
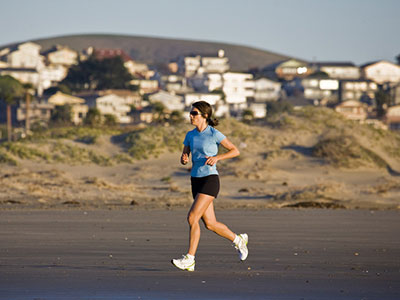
[352, 110]
[143, 115]
[60, 55]
[130, 97]
[237, 87]
[109, 103]
[146, 86]
[24, 75]
[189, 65]
[138, 69]
[40, 79]
[25, 63]
[287, 69]
[266, 90]
[78, 107]
[392, 117]
[39, 112]
[175, 83]
[357, 90]
[50, 75]
[338, 70]
[381, 72]
[211, 98]
[321, 89]
[259, 110]
[25, 55]
[170, 101]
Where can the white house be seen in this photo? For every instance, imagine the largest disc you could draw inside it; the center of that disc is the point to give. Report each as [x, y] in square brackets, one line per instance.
[339, 70]
[210, 98]
[259, 110]
[320, 89]
[26, 55]
[78, 107]
[381, 72]
[287, 69]
[266, 90]
[189, 65]
[356, 89]
[51, 74]
[61, 55]
[215, 64]
[170, 101]
[109, 103]
[237, 87]
[146, 85]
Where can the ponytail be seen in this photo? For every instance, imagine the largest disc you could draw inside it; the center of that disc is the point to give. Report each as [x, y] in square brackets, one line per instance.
[213, 122]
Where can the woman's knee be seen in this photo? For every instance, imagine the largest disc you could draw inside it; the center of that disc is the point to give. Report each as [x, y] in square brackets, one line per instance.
[210, 225]
[192, 218]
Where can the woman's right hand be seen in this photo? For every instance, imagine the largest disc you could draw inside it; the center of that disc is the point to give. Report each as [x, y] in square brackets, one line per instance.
[184, 158]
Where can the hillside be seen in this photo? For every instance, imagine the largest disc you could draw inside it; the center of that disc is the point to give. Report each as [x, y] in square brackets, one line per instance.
[307, 158]
[161, 50]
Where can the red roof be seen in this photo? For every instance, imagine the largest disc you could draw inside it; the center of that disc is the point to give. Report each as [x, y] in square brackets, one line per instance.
[110, 53]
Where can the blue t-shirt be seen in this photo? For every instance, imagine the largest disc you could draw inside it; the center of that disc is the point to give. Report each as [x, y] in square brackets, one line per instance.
[203, 144]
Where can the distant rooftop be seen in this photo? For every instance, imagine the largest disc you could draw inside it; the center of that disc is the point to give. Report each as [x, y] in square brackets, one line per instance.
[334, 64]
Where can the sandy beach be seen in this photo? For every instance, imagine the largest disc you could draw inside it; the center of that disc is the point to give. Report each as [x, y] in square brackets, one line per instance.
[125, 254]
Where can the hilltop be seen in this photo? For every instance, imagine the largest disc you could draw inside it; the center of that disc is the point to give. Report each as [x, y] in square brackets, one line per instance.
[152, 50]
[307, 158]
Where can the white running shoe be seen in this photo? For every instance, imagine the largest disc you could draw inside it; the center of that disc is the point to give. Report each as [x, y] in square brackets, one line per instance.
[184, 263]
[241, 246]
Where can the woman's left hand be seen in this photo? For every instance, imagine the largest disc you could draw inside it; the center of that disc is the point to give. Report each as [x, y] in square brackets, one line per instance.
[211, 160]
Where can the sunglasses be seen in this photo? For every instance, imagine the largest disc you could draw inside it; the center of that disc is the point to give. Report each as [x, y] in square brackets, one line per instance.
[194, 113]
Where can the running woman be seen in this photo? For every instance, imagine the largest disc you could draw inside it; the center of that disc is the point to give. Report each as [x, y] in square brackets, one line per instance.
[203, 142]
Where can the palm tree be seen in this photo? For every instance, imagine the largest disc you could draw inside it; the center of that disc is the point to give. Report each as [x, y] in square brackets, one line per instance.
[10, 89]
[29, 91]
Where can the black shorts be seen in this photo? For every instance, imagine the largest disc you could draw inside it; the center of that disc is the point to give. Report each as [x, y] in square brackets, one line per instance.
[208, 185]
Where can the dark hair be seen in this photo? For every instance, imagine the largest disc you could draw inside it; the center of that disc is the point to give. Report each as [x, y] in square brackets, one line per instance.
[206, 111]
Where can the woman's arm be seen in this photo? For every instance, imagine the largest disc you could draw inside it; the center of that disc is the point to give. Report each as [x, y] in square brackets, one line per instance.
[185, 155]
[232, 152]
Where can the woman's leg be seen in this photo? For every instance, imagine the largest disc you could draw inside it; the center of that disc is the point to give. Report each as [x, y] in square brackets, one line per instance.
[200, 205]
[210, 221]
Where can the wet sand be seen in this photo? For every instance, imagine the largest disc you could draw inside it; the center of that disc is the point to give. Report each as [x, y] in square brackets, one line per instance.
[125, 254]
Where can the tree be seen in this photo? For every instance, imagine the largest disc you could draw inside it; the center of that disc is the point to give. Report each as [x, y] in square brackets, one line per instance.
[248, 116]
[383, 101]
[10, 90]
[398, 59]
[29, 91]
[59, 88]
[159, 111]
[62, 114]
[177, 117]
[93, 117]
[95, 74]
[110, 120]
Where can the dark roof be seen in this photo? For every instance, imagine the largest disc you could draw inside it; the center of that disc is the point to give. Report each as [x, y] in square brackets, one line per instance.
[369, 63]
[54, 49]
[33, 70]
[334, 64]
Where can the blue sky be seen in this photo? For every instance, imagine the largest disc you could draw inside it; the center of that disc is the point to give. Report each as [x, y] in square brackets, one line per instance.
[336, 30]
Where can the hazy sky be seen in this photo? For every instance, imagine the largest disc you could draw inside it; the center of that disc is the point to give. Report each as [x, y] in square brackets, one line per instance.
[336, 30]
